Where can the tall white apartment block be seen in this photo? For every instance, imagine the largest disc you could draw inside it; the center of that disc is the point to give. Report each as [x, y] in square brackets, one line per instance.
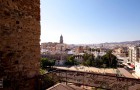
[134, 58]
[134, 54]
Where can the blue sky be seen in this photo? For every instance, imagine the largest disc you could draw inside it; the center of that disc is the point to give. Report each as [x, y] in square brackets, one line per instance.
[90, 21]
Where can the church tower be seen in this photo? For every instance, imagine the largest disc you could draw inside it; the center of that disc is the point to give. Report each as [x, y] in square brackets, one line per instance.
[61, 39]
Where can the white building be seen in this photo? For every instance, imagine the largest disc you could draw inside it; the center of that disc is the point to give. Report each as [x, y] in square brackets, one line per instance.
[134, 58]
[134, 54]
[137, 69]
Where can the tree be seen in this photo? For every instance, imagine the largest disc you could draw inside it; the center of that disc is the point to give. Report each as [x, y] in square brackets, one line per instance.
[71, 61]
[85, 56]
[110, 60]
[51, 62]
[88, 59]
[89, 49]
[93, 49]
[46, 62]
[98, 62]
[50, 79]
[98, 50]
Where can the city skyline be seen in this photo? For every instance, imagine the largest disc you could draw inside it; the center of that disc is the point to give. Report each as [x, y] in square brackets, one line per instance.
[88, 22]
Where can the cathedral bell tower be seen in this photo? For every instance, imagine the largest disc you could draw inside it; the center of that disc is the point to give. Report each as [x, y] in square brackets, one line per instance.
[61, 39]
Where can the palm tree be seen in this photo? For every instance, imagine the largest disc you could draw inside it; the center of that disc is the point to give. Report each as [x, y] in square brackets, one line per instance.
[109, 59]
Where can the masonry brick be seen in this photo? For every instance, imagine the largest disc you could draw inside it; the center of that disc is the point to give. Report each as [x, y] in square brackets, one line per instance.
[19, 40]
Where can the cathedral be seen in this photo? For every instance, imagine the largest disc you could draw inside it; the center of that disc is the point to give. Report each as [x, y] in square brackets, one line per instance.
[54, 47]
[61, 39]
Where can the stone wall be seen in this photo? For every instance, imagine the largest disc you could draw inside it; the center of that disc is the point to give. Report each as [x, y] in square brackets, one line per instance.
[98, 80]
[19, 40]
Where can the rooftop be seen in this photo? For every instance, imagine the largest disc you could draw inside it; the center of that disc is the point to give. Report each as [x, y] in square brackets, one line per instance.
[62, 86]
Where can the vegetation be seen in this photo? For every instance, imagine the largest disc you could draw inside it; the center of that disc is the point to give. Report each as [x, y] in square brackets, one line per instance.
[45, 62]
[110, 60]
[48, 81]
[71, 61]
[106, 61]
[93, 49]
[88, 60]
[42, 71]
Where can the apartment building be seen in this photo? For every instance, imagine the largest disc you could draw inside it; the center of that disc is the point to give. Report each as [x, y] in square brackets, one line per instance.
[134, 58]
[134, 54]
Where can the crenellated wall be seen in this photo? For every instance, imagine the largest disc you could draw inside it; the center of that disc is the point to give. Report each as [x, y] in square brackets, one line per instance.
[19, 40]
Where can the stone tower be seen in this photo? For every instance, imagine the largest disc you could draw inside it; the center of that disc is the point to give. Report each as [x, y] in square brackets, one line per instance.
[19, 42]
[61, 39]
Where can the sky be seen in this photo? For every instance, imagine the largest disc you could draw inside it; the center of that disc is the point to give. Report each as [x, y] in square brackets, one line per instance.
[90, 21]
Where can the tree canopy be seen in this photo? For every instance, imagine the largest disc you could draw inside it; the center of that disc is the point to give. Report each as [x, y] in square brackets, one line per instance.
[71, 61]
[107, 61]
[46, 62]
[110, 60]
